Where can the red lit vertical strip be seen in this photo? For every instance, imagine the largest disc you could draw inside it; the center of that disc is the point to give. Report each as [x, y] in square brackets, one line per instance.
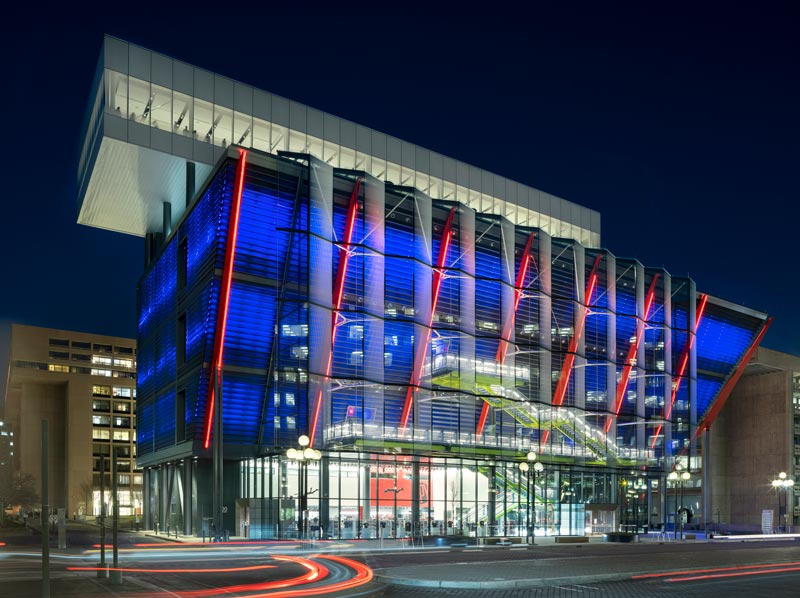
[225, 291]
[338, 295]
[676, 382]
[422, 348]
[508, 327]
[630, 359]
[572, 350]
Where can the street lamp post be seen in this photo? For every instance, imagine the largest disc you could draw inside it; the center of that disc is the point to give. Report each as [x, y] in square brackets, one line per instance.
[527, 467]
[302, 456]
[679, 479]
[782, 485]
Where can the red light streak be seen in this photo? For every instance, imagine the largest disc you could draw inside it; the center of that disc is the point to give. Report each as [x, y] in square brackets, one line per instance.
[438, 275]
[316, 572]
[363, 576]
[338, 295]
[736, 574]
[714, 570]
[136, 570]
[225, 294]
[622, 386]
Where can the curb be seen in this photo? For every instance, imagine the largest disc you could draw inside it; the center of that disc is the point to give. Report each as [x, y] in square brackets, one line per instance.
[501, 584]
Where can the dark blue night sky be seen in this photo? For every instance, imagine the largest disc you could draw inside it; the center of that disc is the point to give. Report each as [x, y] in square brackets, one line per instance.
[681, 128]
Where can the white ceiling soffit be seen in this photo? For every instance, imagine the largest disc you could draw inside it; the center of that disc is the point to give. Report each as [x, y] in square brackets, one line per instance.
[129, 184]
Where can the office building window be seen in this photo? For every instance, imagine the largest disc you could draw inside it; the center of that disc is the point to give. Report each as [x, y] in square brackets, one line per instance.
[59, 342]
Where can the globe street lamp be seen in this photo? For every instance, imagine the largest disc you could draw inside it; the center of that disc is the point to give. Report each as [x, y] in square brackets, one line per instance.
[302, 456]
[679, 479]
[526, 467]
[782, 485]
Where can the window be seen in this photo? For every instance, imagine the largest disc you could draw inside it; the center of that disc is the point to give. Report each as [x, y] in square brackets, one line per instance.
[101, 420]
[130, 375]
[123, 479]
[81, 345]
[122, 451]
[79, 370]
[59, 342]
[180, 416]
[100, 449]
[99, 360]
[32, 365]
[100, 405]
[180, 342]
[100, 435]
[59, 355]
[122, 422]
[101, 348]
[105, 373]
[122, 392]
[124, 350]
[122, 435]
[101, 391]
[58, 368]
[81, 357]
[122, 407]
[183, 262]
[123, 363]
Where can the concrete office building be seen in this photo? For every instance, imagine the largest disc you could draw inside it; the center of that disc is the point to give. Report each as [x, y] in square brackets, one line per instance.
[458, 351]
[756, 438]
[85, 386]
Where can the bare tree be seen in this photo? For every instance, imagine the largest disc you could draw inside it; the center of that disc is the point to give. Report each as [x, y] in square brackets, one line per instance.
[19, 490]
[86, 490]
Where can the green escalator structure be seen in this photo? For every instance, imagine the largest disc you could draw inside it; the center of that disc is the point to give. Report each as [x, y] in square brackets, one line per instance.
[514, 403]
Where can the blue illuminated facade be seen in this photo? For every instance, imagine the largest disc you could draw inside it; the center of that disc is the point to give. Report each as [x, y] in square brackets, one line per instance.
[641, 355]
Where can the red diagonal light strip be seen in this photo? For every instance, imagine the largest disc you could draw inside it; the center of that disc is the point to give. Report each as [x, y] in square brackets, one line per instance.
[502, 348]
[225, 291]
[622, 387]
[723, 395]
[422, 348]
[569, 358]
[338, 295]
[676, 382]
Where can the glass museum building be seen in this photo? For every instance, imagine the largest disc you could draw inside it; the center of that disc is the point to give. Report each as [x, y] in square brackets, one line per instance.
[343, 335]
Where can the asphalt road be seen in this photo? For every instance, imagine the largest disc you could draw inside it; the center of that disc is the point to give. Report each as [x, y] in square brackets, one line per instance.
[162, 569]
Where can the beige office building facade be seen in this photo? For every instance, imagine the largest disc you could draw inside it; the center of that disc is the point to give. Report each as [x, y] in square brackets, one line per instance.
[84, 385]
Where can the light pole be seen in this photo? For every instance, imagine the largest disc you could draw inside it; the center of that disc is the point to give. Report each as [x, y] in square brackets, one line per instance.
[782, 484]
[639, 486]
[526, 467]
[302, 456]
[678, 479]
